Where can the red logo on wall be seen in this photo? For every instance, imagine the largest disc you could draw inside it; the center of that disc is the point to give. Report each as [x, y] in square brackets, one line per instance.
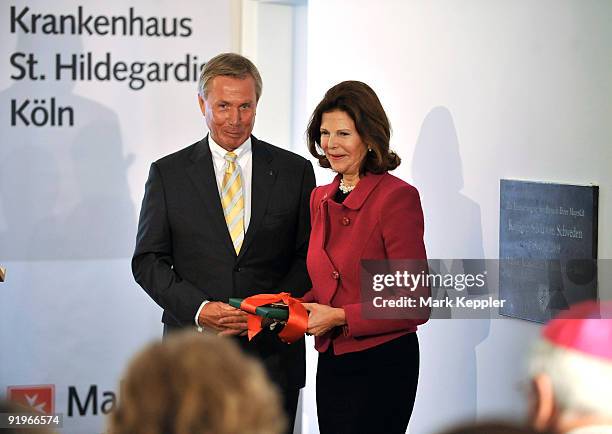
[40, 399]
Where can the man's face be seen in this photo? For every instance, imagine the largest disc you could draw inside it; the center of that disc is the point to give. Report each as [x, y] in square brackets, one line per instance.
[229, 110]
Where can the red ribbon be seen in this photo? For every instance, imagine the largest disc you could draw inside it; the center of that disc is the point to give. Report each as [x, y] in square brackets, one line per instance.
[297, 323]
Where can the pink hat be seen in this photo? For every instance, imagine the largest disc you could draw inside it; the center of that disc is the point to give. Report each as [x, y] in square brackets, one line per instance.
[585, 327]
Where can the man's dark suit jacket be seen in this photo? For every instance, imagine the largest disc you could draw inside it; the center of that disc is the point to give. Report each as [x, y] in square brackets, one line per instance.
[184, 254]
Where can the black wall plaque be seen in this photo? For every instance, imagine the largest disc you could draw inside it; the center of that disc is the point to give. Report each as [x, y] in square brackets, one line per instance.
[547, 247]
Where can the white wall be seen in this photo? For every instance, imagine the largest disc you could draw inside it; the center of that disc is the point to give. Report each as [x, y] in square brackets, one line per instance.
[476, 91]
[273, 37]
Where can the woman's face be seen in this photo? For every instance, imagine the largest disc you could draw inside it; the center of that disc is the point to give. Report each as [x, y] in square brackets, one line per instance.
[341, 143]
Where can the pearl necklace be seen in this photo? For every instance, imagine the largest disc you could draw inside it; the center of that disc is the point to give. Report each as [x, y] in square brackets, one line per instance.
[345, 188]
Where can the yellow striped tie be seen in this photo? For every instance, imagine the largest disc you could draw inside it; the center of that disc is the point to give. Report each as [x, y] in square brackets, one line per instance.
[232, 200]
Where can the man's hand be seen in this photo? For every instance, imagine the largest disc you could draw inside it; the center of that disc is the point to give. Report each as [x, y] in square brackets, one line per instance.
[323, 318]
[223, 318]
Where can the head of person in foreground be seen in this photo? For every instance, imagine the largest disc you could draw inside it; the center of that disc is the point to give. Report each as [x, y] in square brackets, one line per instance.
[492, 427]
[571, 372]
[192, 383]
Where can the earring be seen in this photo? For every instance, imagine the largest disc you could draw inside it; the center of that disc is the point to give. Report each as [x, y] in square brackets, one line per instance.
[369, 149]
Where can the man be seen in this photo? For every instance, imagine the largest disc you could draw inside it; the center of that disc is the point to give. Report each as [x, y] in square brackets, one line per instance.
[571, 371]
[228, 217]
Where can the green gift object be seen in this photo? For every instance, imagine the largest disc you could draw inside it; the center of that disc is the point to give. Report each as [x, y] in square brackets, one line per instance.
[275, 311]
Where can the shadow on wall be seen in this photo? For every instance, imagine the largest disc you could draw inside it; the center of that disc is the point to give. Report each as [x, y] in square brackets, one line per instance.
[64, 196]
[63, 189]
[448, 383]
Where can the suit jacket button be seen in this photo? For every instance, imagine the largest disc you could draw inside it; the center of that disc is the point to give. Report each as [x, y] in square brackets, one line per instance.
[346, 221]
[335, 275]
[237, 269]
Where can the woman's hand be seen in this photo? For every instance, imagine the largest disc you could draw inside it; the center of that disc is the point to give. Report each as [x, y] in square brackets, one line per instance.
[323, 318]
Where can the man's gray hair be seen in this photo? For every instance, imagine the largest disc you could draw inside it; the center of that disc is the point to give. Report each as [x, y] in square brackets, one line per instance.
[230, 65]
[582, 384]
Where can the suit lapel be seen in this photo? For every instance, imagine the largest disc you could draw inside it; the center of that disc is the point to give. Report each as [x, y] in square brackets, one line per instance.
[202, 173]
[262, 181]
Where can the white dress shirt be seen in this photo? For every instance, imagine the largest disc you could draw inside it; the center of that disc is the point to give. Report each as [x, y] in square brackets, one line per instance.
[244, 160]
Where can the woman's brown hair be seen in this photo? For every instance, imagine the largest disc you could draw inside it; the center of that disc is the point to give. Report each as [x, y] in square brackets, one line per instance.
[360, 102]
[191, 383]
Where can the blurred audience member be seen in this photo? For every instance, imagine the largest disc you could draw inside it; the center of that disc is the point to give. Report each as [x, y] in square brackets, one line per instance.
[491, 428]
[571, 372]
[196, 384]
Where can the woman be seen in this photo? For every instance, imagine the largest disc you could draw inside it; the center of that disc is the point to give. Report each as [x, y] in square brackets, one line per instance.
[368, 368]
